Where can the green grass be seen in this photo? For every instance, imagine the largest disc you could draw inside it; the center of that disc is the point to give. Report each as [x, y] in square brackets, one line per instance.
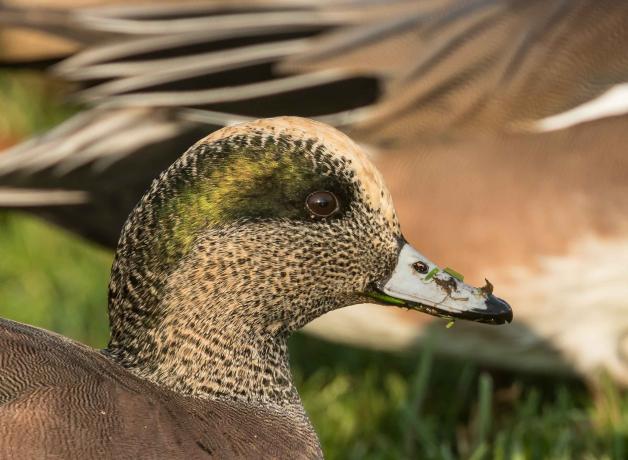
[49, 279]
[29, 104]
[364, 404]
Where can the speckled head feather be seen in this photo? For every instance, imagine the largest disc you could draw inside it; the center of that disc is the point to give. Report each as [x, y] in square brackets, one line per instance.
[221, 259]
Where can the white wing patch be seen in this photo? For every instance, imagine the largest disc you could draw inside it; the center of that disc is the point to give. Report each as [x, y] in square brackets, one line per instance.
[613, 102]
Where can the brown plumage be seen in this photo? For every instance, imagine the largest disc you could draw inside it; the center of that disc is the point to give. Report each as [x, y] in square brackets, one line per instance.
[61, 399]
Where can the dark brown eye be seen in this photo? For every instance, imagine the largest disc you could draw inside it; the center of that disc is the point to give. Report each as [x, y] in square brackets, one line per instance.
[322, 204]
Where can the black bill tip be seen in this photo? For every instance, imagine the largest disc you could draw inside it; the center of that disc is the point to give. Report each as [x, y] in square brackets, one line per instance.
[498, 309]
[497, 312]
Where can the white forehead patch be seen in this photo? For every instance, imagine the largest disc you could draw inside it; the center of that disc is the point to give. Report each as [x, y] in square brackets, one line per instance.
[336, 142]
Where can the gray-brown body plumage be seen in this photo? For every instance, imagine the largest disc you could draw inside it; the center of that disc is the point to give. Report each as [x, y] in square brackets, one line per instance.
[60, 399]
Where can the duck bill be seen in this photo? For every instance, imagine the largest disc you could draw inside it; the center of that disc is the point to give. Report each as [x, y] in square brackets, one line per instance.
[419, 284]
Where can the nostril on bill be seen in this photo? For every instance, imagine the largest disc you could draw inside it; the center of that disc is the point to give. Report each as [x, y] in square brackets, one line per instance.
[420, 267]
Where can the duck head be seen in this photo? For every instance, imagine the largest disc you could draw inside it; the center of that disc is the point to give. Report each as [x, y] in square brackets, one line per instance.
[258, 229]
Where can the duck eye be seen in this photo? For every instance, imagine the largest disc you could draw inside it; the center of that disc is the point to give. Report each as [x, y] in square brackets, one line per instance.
[322, 204]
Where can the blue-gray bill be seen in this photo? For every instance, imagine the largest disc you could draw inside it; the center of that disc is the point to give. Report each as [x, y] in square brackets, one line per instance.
[419, 284]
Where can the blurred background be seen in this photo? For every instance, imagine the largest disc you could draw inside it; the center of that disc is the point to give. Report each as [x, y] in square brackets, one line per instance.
[500, 126]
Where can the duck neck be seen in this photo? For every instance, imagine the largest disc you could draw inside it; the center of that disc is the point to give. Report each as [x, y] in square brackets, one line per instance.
[207, 331]
[215, 355]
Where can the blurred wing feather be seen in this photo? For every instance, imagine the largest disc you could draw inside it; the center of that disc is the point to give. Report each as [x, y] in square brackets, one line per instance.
[392, 72]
